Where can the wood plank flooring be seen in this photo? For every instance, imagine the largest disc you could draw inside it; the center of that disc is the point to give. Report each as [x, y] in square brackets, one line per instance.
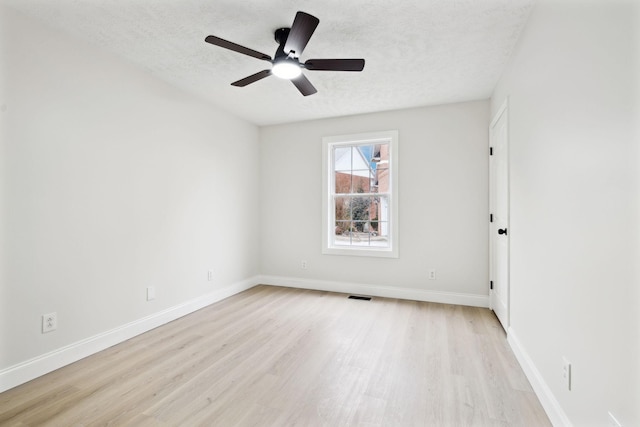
[275, 356]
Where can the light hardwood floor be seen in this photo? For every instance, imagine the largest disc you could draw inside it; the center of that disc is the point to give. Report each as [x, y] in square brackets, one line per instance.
[275, 356]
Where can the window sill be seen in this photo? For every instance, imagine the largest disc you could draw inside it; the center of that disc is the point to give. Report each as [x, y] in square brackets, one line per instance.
[368, 252]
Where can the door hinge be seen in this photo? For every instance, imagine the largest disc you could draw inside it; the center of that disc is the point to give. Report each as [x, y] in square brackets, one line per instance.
[491, 284]
[491, 151]
[490, 217]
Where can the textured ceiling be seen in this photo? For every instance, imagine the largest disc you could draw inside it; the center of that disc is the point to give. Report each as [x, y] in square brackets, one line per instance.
[417, 52]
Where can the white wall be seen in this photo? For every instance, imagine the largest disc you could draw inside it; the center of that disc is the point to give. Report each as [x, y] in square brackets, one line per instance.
[112, 181]
[443, 184]
[573, 93]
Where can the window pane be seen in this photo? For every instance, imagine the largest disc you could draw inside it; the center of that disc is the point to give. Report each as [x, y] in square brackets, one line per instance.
[373, 179]
[360, 236]
[382, 211]
[367, 152]
[343, 182]
[382, 179]
[380, 238]
[342, 159]
[360, 208]
[381, 168]
[382, 153]
[343, 208]
[342, 233]
[360, 227]
[361, 181]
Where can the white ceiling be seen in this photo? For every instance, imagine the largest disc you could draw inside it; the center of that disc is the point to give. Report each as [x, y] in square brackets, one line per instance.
[417, 52]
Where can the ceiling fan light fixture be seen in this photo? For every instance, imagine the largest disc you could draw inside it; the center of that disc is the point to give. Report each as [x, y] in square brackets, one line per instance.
[286, 69]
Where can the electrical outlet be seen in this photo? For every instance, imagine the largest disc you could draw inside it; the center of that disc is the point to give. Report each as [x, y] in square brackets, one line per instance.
[303, 264]
[49, 322]
[151, 293]
[210, 275]
[432, 274]
[566, 373]
[613, 422]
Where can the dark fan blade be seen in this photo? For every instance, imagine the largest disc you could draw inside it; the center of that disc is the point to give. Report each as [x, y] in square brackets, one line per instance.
[303, 27]
[252, 78]
[335, 64]
[304, 85]
[236, 47]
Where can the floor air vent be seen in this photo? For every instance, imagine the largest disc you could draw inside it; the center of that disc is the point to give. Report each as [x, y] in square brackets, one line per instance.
[360, 297]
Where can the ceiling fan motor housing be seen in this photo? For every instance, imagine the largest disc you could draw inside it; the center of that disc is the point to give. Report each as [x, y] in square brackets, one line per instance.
[281, 35]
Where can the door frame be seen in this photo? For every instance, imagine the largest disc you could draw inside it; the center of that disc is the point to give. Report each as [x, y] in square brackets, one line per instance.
[493, 235]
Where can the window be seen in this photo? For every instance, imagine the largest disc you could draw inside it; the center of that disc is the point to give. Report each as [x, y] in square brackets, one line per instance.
[360, 194]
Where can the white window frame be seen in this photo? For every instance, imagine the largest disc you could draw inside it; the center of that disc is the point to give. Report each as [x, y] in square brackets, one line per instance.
[328, 188]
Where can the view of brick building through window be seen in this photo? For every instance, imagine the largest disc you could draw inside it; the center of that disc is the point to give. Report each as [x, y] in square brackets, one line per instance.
[361, 195]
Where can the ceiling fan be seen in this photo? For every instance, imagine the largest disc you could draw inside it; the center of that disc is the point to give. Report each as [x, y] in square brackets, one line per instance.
[286, 63]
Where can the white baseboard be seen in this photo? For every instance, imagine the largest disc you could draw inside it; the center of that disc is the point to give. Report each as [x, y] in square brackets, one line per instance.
[378, 291]
[549, 402]
[33, 368]
[48, 362]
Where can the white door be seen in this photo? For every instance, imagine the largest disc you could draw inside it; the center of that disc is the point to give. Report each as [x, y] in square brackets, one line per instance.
[499, 215]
